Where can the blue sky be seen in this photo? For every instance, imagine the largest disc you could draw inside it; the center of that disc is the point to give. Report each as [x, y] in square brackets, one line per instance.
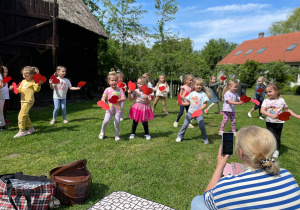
[234, 20]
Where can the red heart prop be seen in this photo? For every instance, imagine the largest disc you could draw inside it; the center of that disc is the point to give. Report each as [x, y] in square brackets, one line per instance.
[186, 94]
[15, 87]
[245, 98]
[124, 89]
[103, 105]
[179, 99]
[223, 78]
[255, 101]
[114, 99]
[131, 86]
[197, 113]
[260, 90]
[121, 84]
[6, 79]
[37, 78]
[43, 79]
[152, 97]
[147, 91]
[81, 83]
[162, 88]
[285, 116]
[54, 79]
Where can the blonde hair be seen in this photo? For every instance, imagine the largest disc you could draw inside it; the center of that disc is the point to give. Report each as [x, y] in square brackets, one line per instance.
[58, 69]
[257, 145]
[146, 75]
[30, 70]
[275, 87]
[112, 71]
[143, 79]
[110, 75]
[165, 83]
[120, 75]
[204, 89]
[186, 77]
[4, 68]
[262, 78]
[211, 79]
[226, 88]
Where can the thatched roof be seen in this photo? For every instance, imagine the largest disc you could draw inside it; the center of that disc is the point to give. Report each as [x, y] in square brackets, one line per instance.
[76, 12]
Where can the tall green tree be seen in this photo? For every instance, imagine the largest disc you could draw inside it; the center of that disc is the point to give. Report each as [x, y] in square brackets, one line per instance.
[291, 24]
[215, 50]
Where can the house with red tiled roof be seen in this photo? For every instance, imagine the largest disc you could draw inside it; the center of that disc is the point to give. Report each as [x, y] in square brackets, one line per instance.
[284, 47]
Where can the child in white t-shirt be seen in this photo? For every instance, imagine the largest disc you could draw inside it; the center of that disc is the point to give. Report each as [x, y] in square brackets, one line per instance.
[272, 107]
[60, 93]
[195, 100]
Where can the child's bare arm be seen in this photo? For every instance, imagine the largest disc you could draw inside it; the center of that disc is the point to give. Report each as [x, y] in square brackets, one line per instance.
[264, 112]
[234, 102]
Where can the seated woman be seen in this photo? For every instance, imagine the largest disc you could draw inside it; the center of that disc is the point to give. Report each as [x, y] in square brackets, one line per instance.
[262, 185]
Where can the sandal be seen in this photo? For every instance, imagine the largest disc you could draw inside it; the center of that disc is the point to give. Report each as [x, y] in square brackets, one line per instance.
[101, 135]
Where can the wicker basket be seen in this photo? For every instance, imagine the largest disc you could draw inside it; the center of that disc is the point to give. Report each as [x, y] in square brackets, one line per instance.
[73, 183]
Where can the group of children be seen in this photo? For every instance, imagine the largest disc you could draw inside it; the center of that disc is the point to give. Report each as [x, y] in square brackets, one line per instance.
[193, 94]
[27, 88]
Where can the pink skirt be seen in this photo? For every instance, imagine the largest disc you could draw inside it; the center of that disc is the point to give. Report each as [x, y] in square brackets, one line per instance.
[141, 112]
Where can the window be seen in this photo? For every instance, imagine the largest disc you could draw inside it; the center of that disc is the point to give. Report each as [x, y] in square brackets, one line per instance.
[249, 51]
[239, 52]
[290, 48]
[261, 50]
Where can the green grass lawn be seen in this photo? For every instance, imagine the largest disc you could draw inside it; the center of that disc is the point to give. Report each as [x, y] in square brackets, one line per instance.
[160, 169]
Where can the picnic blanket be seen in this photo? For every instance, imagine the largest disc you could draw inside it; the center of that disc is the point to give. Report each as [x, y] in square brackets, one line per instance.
[125, 201]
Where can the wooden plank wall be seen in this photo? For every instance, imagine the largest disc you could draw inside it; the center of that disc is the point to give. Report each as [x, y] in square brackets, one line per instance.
[18, 15]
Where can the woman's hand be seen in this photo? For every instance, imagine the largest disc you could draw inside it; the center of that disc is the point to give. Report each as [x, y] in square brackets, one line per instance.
[221, 160]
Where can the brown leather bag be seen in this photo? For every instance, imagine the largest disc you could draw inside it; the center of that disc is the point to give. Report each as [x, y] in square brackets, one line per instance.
[73, 183]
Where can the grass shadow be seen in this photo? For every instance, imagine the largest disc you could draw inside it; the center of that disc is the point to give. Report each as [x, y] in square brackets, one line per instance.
[98, 192]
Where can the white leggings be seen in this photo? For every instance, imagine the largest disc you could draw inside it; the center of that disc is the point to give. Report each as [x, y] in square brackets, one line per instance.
[116, 123]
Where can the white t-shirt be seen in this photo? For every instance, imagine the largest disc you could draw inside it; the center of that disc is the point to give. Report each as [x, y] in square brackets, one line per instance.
[196, 99]
[60, 90]
[274, 106]
[2, 95]
[6, 91]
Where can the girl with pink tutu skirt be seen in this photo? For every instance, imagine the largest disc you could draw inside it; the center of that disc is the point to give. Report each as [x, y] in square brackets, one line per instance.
[140, 111]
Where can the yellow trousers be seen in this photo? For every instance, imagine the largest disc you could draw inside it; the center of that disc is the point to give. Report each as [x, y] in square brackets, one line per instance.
[23, 117]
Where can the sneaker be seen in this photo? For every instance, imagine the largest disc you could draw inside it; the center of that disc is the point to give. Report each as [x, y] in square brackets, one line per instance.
[234, 133]
[221, 113]
[260, 117]
[52, 121]
[275, 154]
[30, 131]
[66, 121]
[206, 111]
[175, 124]
[221, 133]
[205, 141]
[101, 135]
[117, 138]
[249, 115]
[178, 139]
[191, 126]
[132, 136]
[20, 134]
[7, 122]
[2, 128]
[148, 137]
[121, 119]
[166, 113]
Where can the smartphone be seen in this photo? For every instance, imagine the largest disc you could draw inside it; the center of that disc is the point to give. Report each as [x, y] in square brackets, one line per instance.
[227, 143]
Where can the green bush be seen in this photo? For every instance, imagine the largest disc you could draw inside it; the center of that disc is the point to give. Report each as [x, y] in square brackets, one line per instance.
[296, 90]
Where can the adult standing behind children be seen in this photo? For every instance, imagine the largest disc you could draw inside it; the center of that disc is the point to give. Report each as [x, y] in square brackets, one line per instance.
[262, 185]
[60, 93]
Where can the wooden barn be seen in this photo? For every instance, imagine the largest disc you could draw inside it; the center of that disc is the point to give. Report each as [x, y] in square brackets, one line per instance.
[47, 33]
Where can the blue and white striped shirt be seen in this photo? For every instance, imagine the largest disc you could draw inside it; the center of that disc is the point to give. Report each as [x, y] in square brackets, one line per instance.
[255, 190]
